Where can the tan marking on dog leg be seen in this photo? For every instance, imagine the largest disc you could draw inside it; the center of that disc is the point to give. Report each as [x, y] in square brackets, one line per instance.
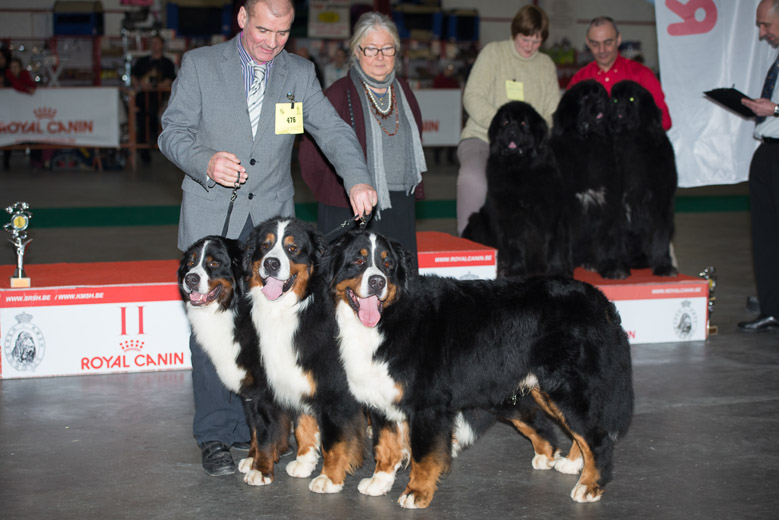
[587, 488]
[247, 464]
[306, 435]
[423, 482]
[390, 452]
[572, 463]
[261, 472]
[335, 462]
[544, 457]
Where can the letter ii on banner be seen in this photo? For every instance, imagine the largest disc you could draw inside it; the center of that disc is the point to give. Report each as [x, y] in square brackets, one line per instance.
[124, 321]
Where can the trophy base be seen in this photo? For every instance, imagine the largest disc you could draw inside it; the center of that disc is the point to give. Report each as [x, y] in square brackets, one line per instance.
[19, 283]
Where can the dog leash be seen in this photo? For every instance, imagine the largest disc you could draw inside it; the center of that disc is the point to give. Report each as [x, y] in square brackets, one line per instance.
[346, 226]
[230, 207]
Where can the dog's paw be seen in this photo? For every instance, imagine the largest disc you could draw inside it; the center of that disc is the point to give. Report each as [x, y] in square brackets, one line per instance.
[665, 270]
[245, 465]
[379, 484]
[584, 494]
[323, 484]
[256, 478]
[303, 466]
[406, 501]
[541, 461]
[569, 466]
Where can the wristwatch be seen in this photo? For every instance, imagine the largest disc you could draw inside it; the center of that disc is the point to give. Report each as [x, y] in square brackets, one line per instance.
[776, 110]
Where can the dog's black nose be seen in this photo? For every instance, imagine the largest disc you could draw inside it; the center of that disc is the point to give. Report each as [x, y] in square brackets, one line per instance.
[376, 283]
[272, 265]
[192, 280]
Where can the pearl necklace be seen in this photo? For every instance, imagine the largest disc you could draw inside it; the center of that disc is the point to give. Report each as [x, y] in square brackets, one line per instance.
[383, 112]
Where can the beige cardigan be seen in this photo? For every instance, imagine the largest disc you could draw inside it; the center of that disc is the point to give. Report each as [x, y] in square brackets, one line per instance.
[485, 91]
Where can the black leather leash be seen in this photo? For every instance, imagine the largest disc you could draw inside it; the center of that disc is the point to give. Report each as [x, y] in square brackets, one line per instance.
[346, 226]
[230, 207]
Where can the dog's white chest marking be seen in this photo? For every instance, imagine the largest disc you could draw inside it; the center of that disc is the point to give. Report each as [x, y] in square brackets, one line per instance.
[369, 380]
[277, 323]
[592, 198]
[213, 329]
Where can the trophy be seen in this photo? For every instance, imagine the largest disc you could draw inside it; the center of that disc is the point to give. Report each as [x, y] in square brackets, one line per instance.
[20, 219]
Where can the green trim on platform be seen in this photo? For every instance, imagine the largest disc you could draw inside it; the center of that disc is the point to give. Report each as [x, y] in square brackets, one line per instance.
[427, 209]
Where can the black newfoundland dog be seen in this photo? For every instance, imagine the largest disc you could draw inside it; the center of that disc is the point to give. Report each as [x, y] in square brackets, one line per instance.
[583, 147]
[523, 215]
[647, 166]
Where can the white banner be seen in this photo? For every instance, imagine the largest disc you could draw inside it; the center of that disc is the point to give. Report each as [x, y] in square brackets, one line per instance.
[441, 116]
[86, 116]
[707, 44]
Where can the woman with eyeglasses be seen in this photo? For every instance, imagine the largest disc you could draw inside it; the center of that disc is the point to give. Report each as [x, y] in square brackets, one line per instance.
[504, 71]
[386, 117]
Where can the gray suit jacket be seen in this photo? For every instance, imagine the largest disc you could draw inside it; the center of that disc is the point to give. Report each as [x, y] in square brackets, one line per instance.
[208, 113]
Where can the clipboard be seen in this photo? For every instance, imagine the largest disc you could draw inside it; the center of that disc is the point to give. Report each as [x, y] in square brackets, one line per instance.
[731, 98]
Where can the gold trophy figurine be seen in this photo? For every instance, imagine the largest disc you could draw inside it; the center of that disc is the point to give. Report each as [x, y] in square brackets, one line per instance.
[20, 220]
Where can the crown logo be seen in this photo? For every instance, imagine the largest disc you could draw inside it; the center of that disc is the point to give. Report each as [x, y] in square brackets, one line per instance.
[131, 344]
[23, 318]
[45, 112]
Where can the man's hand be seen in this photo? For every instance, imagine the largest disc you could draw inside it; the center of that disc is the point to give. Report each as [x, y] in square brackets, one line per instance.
[362, 197]
[225, 168]
[761, 107]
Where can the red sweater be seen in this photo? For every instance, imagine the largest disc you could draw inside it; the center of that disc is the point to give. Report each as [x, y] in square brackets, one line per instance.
[23, 82]
[317, 171]
[623, 69]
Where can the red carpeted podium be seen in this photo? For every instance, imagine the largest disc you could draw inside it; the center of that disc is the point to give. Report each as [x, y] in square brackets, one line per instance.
[93, 318]
[98, 318]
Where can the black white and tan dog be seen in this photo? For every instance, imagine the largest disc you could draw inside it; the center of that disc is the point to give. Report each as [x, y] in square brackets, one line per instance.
[418, 350]
[523, 214]
[646, 164]
[297, 331]
[583, 147]
[211, 286]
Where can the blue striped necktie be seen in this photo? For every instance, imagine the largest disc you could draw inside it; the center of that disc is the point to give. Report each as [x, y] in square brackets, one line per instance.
[768, 86]
[256, 93]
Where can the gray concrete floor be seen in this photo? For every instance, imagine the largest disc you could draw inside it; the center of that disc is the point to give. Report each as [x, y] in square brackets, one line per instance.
[702, 444]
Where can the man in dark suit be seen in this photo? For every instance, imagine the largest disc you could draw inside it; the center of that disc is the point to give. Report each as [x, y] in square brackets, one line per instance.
[764, 182]
[222, 128]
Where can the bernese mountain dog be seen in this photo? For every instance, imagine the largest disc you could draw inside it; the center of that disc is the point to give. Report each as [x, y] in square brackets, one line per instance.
[210, 282]
[418, 350]
[297, 332]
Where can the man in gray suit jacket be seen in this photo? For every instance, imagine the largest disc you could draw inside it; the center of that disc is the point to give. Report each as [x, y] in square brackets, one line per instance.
[207, 133]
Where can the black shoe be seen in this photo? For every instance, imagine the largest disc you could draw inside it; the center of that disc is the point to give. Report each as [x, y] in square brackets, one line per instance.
[217, 460]
[243, 446]
[761, 324]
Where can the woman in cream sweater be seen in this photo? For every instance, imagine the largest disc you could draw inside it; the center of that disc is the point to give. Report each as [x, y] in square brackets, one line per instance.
[504, 71]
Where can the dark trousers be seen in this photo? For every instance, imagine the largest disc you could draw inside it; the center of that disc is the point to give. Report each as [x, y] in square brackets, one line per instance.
[398, 222]
[219, 414]
[764, 201]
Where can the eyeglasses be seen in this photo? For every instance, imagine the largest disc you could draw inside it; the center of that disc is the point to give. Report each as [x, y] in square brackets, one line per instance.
[370, 52]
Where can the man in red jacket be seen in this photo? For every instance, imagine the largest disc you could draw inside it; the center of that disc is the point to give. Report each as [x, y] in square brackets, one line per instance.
[603, 40]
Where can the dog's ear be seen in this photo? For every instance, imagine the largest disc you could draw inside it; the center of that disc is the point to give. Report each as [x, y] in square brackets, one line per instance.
[248, 251]
[540, 130]
[405, 269]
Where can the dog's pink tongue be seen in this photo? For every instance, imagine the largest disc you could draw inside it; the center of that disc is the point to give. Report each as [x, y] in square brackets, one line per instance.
[369, 311]
[196, 298]
[512, 145]
[272, 288]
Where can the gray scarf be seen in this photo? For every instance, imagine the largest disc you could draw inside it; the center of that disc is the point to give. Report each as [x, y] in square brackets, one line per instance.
[375, 155]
